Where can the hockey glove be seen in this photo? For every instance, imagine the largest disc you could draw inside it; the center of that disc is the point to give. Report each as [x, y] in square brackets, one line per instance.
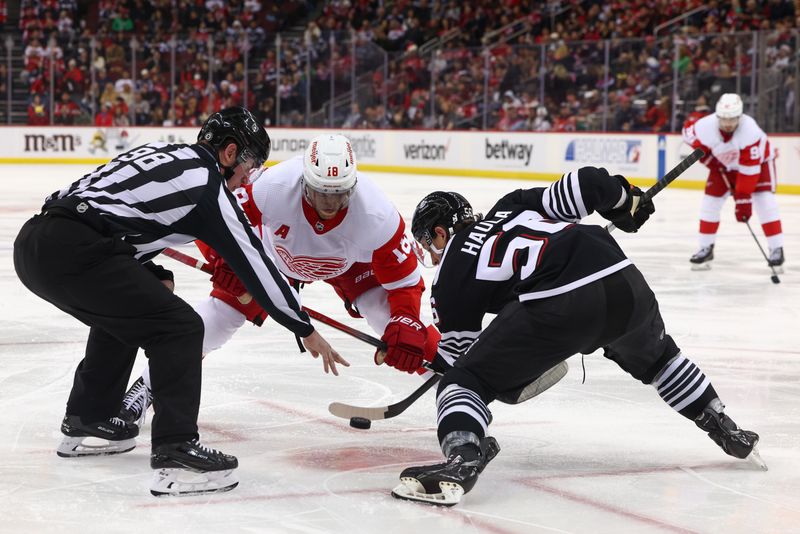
[405, 343]
[744, 206]
[632, 214]
[743, 195]
[225, 279]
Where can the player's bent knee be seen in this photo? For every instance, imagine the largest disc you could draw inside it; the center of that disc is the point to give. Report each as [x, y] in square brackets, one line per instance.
[670, 351]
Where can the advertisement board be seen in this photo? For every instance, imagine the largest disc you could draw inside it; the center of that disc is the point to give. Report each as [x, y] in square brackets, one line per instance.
[528, 155]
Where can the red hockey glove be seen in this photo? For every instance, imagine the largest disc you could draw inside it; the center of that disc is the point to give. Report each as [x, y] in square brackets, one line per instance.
[744, 206]
[405, 343]
[224, 278]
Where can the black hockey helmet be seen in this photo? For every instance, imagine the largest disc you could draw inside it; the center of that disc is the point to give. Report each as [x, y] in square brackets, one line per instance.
[239, 125]
[440, 208]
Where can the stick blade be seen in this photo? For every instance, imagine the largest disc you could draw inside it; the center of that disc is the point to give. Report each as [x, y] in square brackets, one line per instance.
[346, 411]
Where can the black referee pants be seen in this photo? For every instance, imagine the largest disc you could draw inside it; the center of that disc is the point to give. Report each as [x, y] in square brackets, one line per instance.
[97, 280]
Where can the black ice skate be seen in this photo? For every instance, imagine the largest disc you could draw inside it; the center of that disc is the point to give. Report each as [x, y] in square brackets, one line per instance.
[444, 484]
[115, 435]
[136, 402]
[701, 261]
[776, 259]
[725, 433]
[191, 468]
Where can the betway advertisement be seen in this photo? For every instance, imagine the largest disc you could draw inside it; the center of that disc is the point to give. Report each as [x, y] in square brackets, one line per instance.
[526, 155]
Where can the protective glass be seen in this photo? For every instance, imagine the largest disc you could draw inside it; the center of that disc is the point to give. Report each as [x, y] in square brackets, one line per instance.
[249, 160]
[423, 251]
[327, 203]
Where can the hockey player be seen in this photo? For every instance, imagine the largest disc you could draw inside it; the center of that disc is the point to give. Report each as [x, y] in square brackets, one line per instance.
[557, 288]
[323, 221]
[740, 162]
[88, 254]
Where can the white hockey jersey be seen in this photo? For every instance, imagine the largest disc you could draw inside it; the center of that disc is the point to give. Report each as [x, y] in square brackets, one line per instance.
[369, 230]
[743, 151]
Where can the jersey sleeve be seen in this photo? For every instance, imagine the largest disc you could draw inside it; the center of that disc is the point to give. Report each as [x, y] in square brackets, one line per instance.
[396, 268]
[574, 196]
[228, 232]
[691, 138]
[246, 198]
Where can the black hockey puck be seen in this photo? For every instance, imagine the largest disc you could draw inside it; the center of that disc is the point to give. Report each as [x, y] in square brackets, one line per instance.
[360, 422]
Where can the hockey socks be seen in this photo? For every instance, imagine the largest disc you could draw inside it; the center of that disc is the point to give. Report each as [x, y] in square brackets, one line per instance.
[461, 409]
[683, 386]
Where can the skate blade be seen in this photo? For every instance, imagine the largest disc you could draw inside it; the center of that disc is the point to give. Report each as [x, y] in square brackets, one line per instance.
[410, 489]
[74, 447]
[755, 458]
[701, 266]
[173, 482]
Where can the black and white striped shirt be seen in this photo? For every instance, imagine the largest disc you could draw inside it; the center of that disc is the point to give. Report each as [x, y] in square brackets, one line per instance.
[527, 247]
[161, 195]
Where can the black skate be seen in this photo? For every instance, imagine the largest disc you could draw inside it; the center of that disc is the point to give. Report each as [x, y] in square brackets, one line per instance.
[444, 484]
[701, 261]
[117, 437]
[776, 259]
[732, 439]
[136, 402]
[191, 468]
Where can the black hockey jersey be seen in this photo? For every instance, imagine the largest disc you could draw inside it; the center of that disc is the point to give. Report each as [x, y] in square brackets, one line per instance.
[529, 246]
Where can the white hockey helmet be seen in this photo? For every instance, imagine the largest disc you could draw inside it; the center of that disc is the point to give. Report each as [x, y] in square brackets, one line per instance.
[729, 106]
[329, 165]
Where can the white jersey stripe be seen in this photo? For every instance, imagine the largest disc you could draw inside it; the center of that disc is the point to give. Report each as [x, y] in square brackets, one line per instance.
[577, 283]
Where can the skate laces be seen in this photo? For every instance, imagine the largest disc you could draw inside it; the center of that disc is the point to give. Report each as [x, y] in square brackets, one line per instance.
[204, 448]
[116, 421]
[137, 398]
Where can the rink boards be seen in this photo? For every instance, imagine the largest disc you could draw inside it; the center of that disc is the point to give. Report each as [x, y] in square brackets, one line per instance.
[641, 157]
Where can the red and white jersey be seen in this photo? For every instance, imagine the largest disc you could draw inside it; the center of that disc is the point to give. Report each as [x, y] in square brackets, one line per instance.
[743, 151]
[370, 230]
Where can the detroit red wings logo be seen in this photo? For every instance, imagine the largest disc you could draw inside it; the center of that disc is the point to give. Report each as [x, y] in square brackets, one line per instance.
[311, 268]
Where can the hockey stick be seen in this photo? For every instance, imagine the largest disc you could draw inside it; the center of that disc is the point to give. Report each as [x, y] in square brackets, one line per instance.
[187, 260]
[774, 277]
[206, 268]
[547, 380]
[346, 411]
[668, 178]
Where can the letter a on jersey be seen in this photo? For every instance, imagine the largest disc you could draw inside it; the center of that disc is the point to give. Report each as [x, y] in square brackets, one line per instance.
[282, 232]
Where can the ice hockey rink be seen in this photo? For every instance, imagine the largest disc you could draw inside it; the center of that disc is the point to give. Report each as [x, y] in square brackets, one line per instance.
[604, 456]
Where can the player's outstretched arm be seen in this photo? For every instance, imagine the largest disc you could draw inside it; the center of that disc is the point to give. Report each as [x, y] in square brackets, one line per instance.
[318, 346]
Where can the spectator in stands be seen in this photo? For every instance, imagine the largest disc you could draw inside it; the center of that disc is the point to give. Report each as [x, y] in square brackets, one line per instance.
[104, 117]
[626, 116]
[109, 95]
[37, 112]
[355, 118]
[656, 118]
[66, 111]
[141, 110]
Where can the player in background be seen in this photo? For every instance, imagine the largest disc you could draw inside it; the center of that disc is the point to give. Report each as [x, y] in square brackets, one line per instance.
[323, 221]
[88, 253]
[740, 162]
[557, 288]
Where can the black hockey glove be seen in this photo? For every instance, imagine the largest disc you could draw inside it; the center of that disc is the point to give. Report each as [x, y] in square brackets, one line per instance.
[633, 213]
[160, 272]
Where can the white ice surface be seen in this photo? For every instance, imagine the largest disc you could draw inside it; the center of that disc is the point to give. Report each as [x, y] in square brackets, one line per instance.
[606, 456]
